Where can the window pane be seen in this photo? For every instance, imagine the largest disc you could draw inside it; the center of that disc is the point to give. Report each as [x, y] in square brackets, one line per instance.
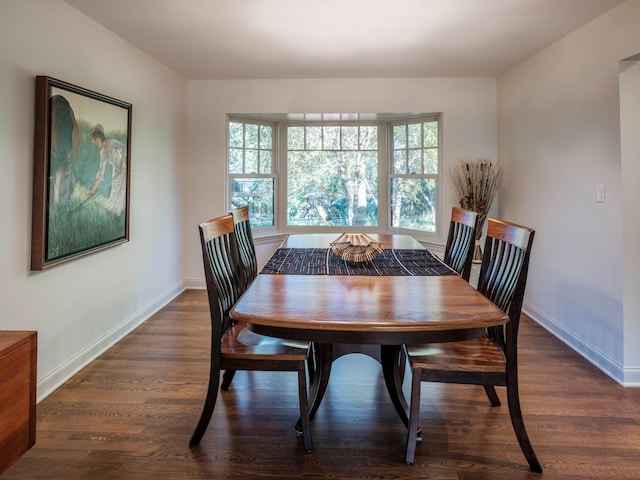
[414, 135]
[295, 138]
[250, 136]
[257, 193]
[400, 161]
[314, 138]
[413, 203]
[369, 138]
[266, 136]
[431, 161]
[332, 188]
[235, 160]
[331, 137]
[250, 161]
[350, 138]
[236, 134]
[266, 161]
[430, 134]
[399, 137]
[415, 161]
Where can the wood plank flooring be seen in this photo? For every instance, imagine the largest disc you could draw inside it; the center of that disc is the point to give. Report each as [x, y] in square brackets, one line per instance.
[130, 414]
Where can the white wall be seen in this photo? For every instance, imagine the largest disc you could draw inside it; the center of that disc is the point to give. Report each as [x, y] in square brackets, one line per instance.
[469, 128]
[630, 149]
[82, 307]
[558, 131]
[559, 135]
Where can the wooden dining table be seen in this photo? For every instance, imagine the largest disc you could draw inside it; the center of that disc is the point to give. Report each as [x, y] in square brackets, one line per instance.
[347, 313]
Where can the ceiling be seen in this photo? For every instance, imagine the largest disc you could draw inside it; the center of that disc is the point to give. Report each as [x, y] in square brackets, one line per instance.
[260, 39]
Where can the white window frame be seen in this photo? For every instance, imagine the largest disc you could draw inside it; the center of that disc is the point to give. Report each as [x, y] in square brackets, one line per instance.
[385, 124]
[292, 229]
[419, 234]
[267, 230]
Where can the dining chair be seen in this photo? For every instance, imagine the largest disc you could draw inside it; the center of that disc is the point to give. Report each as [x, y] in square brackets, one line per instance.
[248, 259]
[458, 253]
[492, 359]
[233, 346]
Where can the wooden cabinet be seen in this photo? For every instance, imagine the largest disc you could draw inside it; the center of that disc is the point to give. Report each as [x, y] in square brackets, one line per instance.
[18, 365]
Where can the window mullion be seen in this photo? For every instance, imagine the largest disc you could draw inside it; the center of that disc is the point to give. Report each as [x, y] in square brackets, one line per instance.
[422, 149]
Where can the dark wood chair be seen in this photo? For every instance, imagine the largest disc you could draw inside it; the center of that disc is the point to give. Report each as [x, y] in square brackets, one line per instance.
[248, 259]
[234, 347]
[458, 253]
[493, 358]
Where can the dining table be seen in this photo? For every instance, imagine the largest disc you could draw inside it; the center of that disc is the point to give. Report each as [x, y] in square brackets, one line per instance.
[406, 295]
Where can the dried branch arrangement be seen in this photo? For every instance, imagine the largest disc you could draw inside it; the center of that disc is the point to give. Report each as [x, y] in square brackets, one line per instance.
[477, 182]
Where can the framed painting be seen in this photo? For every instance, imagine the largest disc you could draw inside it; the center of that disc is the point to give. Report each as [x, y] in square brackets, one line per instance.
[81, 174]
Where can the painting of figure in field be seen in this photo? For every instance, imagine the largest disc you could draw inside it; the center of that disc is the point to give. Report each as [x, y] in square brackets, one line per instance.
[114, 153]
[88, 169]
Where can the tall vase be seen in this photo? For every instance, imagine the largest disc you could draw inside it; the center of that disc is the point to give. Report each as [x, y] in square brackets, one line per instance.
[477, 253]
[477, 249]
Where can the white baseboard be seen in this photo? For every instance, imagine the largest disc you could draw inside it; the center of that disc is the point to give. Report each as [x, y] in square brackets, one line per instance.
[625, 377]
[632, 377]
[195, 283]
[56, 378]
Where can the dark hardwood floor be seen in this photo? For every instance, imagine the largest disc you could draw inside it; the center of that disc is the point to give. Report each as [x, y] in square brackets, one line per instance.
[130, 414]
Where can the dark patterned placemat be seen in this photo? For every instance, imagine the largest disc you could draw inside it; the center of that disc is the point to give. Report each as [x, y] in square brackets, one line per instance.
[322, 261]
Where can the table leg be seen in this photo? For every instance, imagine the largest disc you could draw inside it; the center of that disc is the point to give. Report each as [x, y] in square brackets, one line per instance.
[393, 372]
[393, 361]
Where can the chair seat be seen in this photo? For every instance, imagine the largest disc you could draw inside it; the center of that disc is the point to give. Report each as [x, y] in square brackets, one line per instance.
[239, 341]
[475, 355]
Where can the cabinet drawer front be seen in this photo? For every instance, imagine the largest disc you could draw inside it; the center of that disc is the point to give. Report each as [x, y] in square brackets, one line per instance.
[14, 404]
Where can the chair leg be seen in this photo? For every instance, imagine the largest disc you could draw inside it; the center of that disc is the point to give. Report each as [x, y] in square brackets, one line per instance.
[515, 412]
[304, 407]
[311, 360]
[493, 396]
[414, 416]
[227, 378]
[319, 381]
[322, 372]
[209, 403]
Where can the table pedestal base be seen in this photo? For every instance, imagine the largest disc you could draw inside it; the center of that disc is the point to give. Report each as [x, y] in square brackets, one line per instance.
[391, 358]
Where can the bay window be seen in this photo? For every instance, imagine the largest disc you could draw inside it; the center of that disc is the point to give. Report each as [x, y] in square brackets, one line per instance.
[337, 173]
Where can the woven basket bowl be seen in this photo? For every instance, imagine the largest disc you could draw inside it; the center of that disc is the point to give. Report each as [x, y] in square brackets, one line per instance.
[358, 247]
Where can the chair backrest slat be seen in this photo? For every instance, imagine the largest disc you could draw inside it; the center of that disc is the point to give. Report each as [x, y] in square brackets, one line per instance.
[246, 245]
[458, 252]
